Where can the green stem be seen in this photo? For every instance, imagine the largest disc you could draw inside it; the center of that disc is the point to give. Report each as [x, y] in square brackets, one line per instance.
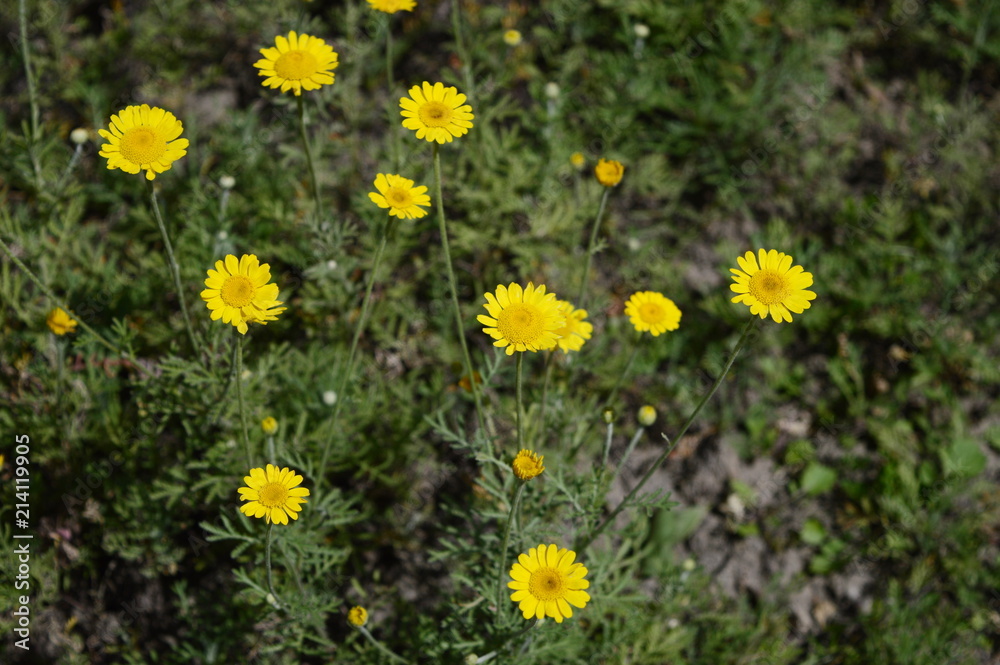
[22, 19]
[309, 158]
[66, 308]
[238, 352]
[351, 357]
[663, 456]
[267, 560]
[628, 451]
[391, 84]
[607, 443]
[503, 548]
[273, 457]
[545, 392]
[175, 270]
[463, 53]
[520, 402]
[378, 645]
[621, 378]
[581, 298]
[454, 287]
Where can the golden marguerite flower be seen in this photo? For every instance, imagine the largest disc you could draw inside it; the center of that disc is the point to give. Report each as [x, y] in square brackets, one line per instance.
[609, 172]
[239, 293]
[400, 196]
[393, 6]
[774, 286]
[297, 63]
[357, 616]
[546, 581]
[522, 319]
[436, 113]
[575, 330]
[650, 311]
[141, 138]
[273, 494]
[527, 465]
[60, 322]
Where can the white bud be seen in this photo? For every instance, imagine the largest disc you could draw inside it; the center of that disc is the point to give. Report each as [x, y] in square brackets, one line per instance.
[552, 90]
[641, 30]
[332, 264]
[227, 182]
[79, 136]
[329, 397]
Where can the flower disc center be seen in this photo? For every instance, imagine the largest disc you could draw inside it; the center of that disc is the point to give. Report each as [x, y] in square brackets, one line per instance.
[768, 287]
[237, 291]
[520, 323]
[651, 312]
[435, 114]
[142, 145]
[273, 494]
[398, 198]
[296, 65]
[547, 584]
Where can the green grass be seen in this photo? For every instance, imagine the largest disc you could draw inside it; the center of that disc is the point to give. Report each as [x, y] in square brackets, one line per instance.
[861, 440]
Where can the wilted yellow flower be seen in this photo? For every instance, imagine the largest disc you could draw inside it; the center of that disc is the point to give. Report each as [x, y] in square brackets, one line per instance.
[60, 322]
[609, 172]
[527, 465]
[774, 287]
[143, 139]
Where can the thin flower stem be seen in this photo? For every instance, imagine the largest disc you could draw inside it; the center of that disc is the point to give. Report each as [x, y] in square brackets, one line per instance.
[454, 288]
[663, 456]
[309, 157]
[175, 270]
[581, 299]
[238, 352]
[267, 560]
[621, 378]
[503, 548]
[22, 19]
[463, 53]
[66, 308]
[513, 636]
[381, 647]
[519, 383]
[628, 451]
[391, 85]
[273, 457]
[607, 443]
[545, 392]
[352, 356]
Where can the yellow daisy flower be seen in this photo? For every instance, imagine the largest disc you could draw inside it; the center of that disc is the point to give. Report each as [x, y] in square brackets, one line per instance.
[436, 113]
[650, 311]
[527, 465]
[609, 172]
[297, 63]
[546, 582]
[522, 319]
[143, 138]
[358, 616]
[392, 6]
[400, 196]
[238, 292]
[273, 494]
[575, 330]
[60, 322]
[774, 286]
